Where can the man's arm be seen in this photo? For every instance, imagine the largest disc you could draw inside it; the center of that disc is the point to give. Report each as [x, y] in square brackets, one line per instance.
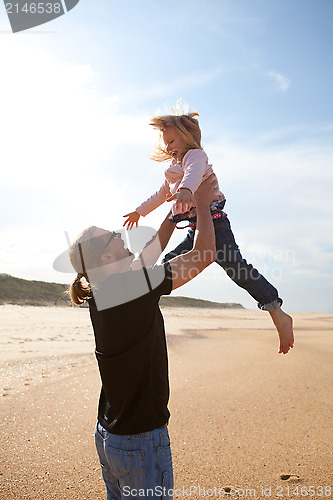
[186, 266]
[156, 245]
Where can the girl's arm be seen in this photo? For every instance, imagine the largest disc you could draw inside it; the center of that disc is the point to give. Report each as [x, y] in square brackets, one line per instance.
[148, 206]
[155, 200]
[195, 163]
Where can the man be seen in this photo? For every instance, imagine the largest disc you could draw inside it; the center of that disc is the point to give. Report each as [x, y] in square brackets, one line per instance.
[131, 435]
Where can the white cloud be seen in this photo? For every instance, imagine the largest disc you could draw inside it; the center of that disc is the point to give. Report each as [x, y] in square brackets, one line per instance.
[280, 199]
[71, 157]
[55, 124]
[65, 154]
[282, 82]
[176, 84]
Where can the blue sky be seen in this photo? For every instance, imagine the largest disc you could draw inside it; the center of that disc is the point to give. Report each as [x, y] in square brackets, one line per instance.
[76, 95]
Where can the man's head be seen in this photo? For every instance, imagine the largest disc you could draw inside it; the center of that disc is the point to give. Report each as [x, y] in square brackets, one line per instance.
[114, 250]
[95, 255]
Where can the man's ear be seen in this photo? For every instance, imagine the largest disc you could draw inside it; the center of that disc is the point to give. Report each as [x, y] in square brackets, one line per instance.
[106, 258]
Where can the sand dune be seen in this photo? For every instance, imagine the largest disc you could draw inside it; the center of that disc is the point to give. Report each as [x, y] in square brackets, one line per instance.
[241, 415]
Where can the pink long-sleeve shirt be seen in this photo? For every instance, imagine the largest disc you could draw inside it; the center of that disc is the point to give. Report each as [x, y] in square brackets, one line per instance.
[190, 173]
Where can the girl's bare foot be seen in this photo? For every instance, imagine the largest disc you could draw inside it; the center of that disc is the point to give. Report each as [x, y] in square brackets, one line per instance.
[284, 325]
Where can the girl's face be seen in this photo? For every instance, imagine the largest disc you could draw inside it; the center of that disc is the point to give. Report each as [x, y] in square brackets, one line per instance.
[173, 141]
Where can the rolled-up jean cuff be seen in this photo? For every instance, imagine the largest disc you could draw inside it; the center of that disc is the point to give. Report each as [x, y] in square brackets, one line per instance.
[271, 306]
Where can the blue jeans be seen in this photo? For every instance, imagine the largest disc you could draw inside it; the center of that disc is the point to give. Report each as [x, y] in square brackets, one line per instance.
[137, 465]
[230, 259]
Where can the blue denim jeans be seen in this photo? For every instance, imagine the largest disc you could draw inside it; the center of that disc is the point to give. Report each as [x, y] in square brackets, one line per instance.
[137, 465]
[230, 259]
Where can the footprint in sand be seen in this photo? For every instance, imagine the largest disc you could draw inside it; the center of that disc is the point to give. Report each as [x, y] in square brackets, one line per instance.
[293, 477]
[6, 391]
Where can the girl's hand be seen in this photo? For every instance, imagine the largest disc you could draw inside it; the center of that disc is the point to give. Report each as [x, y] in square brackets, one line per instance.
[184, 200]
[132, 218]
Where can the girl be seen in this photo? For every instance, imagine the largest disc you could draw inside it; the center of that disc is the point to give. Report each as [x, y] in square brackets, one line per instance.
[189, 166]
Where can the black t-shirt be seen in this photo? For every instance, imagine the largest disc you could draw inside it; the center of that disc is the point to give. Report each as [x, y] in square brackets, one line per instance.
[131, 351]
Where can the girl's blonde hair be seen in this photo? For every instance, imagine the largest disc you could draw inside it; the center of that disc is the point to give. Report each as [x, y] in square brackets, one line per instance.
[84, 253]
[187, 126]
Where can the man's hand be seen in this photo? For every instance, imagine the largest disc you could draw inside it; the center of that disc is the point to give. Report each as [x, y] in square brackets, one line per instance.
[132, 218]
[207, 191]
[184, 200]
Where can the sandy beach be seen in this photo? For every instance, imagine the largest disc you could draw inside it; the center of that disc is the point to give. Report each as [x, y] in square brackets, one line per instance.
[242, 415]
